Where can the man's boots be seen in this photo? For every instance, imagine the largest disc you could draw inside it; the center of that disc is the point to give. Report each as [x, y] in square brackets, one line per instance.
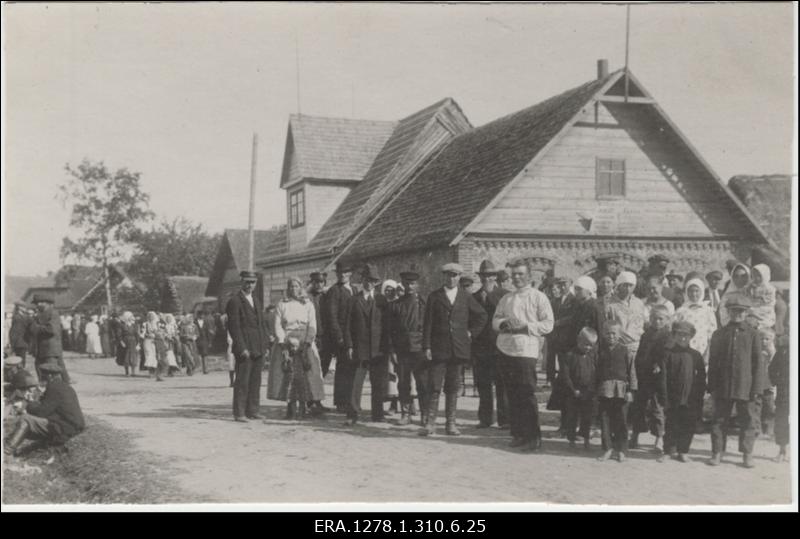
[634, 442]
[231, 375]
[450, 414]
[404, 415]
[715, 460]
[747, 460]
[205, 369]
[290, 410]
[429, 423]
[15, 440]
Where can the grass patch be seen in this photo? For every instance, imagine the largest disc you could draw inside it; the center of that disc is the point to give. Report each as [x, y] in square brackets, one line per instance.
[98, 467]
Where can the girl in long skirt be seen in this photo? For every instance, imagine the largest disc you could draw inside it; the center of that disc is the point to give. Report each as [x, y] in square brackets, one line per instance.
[171, 334]
[93, 346]
[128, 344]
[149, 331]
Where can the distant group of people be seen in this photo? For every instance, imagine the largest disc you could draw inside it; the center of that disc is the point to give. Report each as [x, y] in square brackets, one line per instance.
[635, 353]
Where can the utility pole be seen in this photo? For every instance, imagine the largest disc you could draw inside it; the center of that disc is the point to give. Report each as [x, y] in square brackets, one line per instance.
[627, 41]
[251, 219]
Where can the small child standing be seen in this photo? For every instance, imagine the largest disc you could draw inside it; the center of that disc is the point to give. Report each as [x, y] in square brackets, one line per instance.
[767, 337]
[647, 412]
[682, 381]
[779, 377]
[580, 382]
[616, 382]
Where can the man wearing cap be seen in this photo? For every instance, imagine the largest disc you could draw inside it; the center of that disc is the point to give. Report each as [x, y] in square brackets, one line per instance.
[45, 330]
[404, 323]
[522, 319]
[466, 283]
[452, 316]
[628, 310]
[56, 418]
[14, 371]
[317, 295]
[562, 302]
[250, 346]
[365, 341]
[484, 350]
[674, 292]
[504, 282]
[656, 266]
[18, 333]
[736, 379]
[713, 294]
[336, 304]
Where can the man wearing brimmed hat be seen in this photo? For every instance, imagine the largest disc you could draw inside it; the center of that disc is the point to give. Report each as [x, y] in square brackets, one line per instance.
[404, 321]
[365, 342]
[336, 303]
[56, 418]
[18, 333]
[736, 378]
[484, 350]
[452, 315]
[628, 310]
[45, 331]
[250, 347]
[522, 319]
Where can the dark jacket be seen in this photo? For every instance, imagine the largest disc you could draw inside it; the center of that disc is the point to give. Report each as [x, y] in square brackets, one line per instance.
[59, 405]
[405, 319]
[447, 328]
[580, 372]
[205, 334]
[246, 326]
[734, 363]
[319, 304]
[586, 313]
[17, 333]
[336, 313]
[649, 354]
[564, 311]
[682, 380]
[364, 328]
[486, 342]
[45, 330]
[615, 363]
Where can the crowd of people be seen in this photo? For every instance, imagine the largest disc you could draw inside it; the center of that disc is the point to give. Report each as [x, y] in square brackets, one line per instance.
[630, 353]
[634, 353]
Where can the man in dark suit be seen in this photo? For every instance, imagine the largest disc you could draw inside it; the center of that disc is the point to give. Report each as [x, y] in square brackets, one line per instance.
[452, 316]
[250, 348]
[18, 333]
[484, 351]
[336, 304]
[44, 333]
[365, 342]
[317, 296]
[404, 320]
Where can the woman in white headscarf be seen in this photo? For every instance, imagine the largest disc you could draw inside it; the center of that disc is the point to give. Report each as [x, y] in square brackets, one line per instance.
[171, 338]
[763, 296]
[93, 345]
[699, 313]
[295, 372]
[737, 289]
[149, 330]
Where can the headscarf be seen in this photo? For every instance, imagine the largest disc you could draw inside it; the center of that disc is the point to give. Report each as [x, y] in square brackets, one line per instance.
[587, 283]
[695, 282]
[152, 316]
[626, 277]
[388, 283]
[766, 273]
[127, 317]
[732, 285]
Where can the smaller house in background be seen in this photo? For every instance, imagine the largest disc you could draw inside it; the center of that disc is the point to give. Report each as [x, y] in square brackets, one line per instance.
[232, 258]
[769, 200]
[17, 286]
[82, 289]
[182, 293]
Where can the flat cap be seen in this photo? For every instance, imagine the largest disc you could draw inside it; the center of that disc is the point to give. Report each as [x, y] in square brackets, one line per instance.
[673, 275]
[343, 267]
[12, 360]
[452, 267]
[502, 275]
[465, 281]
[738, 302]
[409, 275]
[318, 276]
[658, 259]
[684, 327]
[43, 297]
[248, 275]
[714, 274]
[50, 367]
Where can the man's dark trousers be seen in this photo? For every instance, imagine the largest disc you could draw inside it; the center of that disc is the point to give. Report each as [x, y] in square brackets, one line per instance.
[614, 423]
[438, 375]
[679, 429]
[519, 374]
[748, 418]
[488, 380]
[343, 378]
[408, 366]
[246, 394]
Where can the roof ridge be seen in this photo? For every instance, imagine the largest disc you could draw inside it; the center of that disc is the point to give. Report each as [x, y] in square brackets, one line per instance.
[295, 116]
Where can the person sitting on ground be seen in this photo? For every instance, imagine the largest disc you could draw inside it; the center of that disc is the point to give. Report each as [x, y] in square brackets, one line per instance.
[682, 384]
[55, 419]
[24, 389]
[14, 372]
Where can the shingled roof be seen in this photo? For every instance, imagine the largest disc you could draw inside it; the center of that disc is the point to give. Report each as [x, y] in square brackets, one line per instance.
[467, 175]
[235, 243]
[389, 170]
[333, 148]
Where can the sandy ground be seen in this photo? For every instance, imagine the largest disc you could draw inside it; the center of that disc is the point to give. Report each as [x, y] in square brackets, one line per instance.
[187, 421]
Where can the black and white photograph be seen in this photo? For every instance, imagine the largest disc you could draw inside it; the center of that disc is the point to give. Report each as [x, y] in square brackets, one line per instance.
[399, 257]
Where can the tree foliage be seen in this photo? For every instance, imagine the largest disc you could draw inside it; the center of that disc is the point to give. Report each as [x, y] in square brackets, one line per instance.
[178, 247]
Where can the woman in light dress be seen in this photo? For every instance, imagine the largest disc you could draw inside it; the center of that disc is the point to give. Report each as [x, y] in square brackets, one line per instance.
[148, 335]
[128, 344]
[93, 345]
[295, 372]
[171, 337]
[699, 313]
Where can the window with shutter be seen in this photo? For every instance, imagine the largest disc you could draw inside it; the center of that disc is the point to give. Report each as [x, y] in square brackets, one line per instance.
[297, 209]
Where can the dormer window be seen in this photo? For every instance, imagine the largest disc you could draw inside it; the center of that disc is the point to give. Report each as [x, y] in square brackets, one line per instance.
[610, 178]
[297, 208]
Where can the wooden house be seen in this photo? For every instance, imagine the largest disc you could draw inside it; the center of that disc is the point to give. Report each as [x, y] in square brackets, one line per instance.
[589, 173]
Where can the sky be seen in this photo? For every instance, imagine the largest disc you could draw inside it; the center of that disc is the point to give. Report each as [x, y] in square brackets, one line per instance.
[176, 91]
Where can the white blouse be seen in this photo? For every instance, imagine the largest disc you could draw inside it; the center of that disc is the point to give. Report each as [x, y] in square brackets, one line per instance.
[296, 319]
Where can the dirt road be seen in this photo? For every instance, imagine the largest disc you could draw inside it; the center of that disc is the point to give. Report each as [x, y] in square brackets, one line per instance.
[187, 422]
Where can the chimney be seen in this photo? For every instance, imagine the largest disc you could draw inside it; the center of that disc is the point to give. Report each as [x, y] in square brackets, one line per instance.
[602, 69]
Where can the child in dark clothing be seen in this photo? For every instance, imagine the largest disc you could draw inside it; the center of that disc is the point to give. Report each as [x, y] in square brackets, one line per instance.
[579, 379]
[682, 381]
[616, 382]
[647, 411]
[779, 376]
